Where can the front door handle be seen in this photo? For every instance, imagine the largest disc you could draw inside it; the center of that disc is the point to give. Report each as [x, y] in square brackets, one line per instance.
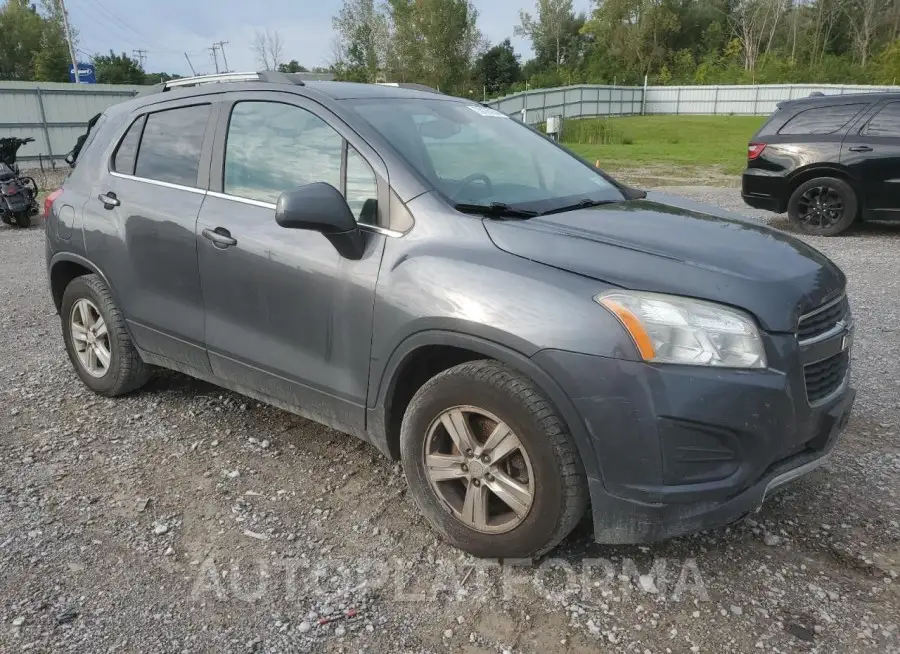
[220, 237]
[860, 148]
[109, 199]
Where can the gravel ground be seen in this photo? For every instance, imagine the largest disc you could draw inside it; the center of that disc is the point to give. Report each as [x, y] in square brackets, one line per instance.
[184, 518]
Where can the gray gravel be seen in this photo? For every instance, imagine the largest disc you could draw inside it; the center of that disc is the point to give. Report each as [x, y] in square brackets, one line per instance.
[184, 518]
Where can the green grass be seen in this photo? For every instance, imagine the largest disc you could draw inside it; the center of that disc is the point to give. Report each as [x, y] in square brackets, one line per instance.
[643, 141]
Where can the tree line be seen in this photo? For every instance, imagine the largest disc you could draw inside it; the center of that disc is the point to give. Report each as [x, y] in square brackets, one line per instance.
[33, 47]
[437, 42]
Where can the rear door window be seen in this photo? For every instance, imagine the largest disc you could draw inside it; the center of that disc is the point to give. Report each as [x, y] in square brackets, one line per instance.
[822, 120]
[171, 146]
[885, 123]
[126, 153]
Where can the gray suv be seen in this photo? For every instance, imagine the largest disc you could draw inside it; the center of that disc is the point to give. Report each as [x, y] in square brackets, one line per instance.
[527, 335]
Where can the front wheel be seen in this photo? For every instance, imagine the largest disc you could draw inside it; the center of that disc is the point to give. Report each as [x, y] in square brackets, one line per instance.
[23, 219]
[824, 206]
[490, 463]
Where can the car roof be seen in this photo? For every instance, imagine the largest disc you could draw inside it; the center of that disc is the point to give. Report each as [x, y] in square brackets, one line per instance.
[824, 100]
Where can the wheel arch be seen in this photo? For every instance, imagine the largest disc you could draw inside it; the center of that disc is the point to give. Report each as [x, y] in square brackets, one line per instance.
[64, 267]
[824, 170]
[408, 368]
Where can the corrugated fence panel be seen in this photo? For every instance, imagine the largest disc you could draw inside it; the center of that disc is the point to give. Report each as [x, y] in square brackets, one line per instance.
[593, 100]
[53, 114]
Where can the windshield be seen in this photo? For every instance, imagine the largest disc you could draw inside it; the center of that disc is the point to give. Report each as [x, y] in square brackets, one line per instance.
[476, 155]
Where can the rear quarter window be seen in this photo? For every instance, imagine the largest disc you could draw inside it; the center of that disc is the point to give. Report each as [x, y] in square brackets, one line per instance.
[886, 123]
[822, 120]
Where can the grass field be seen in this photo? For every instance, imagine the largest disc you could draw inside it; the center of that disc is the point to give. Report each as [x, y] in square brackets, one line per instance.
[642, 141]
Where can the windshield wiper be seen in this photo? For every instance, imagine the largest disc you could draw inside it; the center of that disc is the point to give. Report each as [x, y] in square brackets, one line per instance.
[496, 209]
[581, 204]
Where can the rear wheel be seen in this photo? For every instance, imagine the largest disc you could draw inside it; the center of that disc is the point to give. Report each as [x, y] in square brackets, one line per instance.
[23, 219]
[97, 340]
[490, 462]
[824, 206]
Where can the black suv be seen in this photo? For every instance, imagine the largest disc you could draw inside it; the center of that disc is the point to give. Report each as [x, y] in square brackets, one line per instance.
[529, 336]
[828, 160]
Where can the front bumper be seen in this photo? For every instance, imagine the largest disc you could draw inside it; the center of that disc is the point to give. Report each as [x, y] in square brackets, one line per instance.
[683, 449]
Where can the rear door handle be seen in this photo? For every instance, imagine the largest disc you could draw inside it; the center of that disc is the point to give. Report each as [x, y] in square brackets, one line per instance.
[220, 237]
[109, 199]
[860, 148]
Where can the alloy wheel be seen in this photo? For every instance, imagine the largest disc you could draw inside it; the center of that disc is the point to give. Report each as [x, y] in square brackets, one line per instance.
[90, 337]
[820, 207]
[479, 468]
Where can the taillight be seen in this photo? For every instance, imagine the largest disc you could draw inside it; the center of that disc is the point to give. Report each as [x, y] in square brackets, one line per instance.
[10, 189]
[754, 150]
[48, 203]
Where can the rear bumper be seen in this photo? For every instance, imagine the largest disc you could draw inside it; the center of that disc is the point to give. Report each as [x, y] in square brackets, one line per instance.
[681, 450]
[762, 189]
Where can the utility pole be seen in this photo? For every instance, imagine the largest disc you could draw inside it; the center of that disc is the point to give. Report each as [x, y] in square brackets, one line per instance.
[193, 72]
[141, 56]
[222, 45]
[214, 49]
[65, 17]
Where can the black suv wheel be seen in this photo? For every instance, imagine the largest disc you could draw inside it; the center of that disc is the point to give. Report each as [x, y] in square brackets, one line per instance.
[490, 463]
[824, 206]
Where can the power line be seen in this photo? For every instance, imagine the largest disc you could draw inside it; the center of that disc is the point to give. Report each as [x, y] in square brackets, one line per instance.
[106, 12]
[141, 56]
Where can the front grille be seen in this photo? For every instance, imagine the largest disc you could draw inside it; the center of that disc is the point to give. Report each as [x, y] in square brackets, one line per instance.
[824, 377]
[821, 320]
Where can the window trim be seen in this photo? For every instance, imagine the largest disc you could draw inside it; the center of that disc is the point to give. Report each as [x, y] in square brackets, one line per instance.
[159, 182]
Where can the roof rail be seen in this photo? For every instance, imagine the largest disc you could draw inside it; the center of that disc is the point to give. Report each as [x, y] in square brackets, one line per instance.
[208, 79]
[410, 85]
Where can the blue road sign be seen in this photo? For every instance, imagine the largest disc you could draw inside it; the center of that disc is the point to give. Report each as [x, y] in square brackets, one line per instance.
[86, 74]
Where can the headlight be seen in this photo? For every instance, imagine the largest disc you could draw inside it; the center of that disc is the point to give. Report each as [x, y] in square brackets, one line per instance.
[672, 329]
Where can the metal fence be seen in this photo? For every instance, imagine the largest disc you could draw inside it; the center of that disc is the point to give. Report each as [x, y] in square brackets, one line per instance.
[54, 114]
[593, 100]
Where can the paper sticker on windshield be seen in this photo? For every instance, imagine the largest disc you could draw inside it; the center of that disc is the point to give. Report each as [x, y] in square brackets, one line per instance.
[487, 111]
[599, 181]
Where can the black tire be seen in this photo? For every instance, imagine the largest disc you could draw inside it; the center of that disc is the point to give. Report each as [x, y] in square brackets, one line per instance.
[837, 210]
[23, 219]
[126, 371]
[6, 218]
[560, 494]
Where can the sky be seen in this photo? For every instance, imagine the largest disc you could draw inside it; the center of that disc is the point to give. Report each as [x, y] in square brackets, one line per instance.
[166, 29]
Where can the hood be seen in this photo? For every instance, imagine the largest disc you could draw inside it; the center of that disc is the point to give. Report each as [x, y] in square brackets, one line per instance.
[670, 245]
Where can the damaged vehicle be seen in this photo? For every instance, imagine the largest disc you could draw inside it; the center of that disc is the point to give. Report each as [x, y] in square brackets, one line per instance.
[536, 342]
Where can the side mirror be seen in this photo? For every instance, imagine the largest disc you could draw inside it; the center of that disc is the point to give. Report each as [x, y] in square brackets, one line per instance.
[320, 207]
